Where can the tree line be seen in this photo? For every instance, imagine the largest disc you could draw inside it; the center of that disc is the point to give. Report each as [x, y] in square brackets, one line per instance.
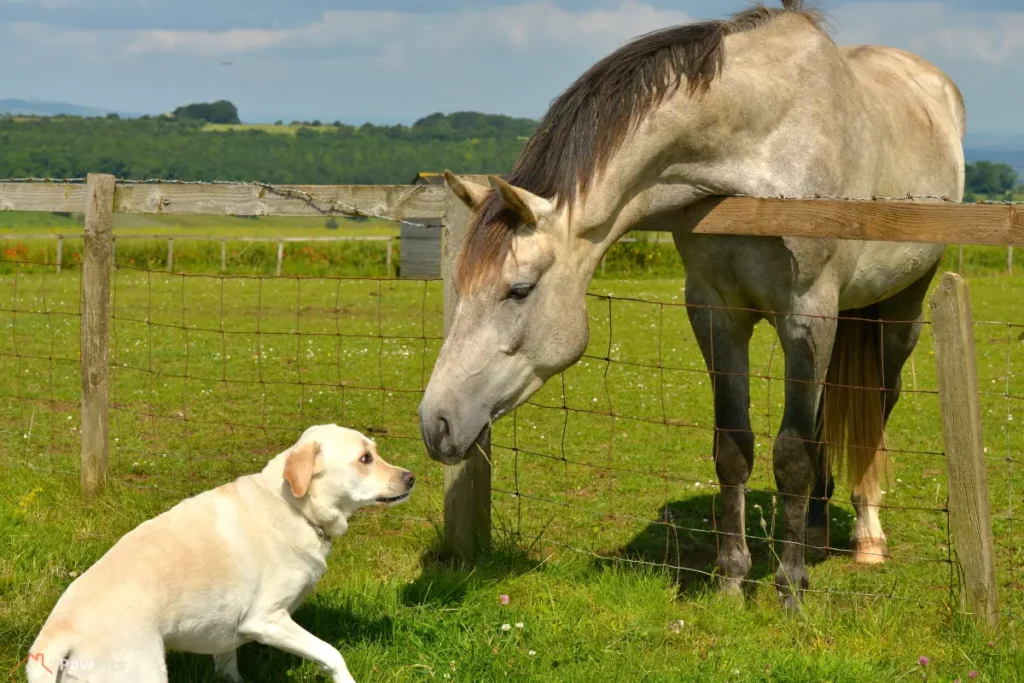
[179, 147]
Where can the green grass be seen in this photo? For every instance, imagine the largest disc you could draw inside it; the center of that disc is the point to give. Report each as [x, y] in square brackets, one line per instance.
[210, 380]
[20, 222]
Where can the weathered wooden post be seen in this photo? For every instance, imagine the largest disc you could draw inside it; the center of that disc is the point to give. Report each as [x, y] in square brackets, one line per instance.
[96, 261]
[1009, 260]
[223, 255]
[969, 518]
[387, 261]
[170, 254]
[467, 486]
[60, 252]
[280, 257]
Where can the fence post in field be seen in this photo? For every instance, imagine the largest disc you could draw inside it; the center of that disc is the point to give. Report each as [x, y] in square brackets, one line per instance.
[387, 262]
[467, 486]
[96, 261]
[969, 518]
[170, 254]
[280, 257]
[60, 252]
[1009, 260]
[223, 255]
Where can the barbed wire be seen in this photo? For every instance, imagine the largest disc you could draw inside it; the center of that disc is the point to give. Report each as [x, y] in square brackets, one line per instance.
[335, 208]
[305, 196]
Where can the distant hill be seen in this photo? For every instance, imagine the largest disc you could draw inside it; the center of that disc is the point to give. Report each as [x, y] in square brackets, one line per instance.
[41, 108]
[161, 147]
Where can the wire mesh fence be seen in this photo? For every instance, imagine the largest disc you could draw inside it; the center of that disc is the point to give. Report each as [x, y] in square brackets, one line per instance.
[212, 375]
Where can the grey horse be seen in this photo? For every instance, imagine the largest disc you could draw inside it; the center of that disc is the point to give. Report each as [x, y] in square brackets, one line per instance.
[763, 104]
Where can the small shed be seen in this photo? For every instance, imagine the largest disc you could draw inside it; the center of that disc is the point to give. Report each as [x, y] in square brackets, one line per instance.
[421, 247]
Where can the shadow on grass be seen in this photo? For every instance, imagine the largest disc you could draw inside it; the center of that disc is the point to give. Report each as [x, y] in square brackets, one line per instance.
[444, 581]
[684, 543]
[334, 623]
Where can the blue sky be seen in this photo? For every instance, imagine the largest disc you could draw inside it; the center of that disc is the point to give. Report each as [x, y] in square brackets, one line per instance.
[397, 60]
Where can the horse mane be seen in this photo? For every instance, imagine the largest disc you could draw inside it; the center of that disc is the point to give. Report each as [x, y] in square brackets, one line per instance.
[588, 122]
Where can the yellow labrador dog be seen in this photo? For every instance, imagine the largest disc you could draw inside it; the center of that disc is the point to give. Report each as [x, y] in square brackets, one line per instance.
[218, 570]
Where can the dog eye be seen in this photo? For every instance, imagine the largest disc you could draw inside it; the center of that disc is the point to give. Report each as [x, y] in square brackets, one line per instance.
[367, 458]
[520, 291]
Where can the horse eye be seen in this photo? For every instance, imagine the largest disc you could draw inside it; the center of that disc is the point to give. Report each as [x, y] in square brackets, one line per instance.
[366, 459]
[520, 291]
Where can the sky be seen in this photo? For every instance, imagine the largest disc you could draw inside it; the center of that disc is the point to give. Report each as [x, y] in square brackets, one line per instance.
[397, 60]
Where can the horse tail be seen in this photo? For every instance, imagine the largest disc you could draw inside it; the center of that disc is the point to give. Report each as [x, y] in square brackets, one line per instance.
[852, 407]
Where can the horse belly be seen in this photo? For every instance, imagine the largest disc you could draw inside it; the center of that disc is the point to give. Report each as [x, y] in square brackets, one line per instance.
[885, 269]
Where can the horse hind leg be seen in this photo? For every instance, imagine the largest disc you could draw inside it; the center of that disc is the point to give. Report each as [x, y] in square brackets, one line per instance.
[853, 424]
[819, 539]
[897, 333]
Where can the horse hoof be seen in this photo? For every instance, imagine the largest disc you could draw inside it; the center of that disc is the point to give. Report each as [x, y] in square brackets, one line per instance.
[732, 588]
[869, 550]
[791, 603]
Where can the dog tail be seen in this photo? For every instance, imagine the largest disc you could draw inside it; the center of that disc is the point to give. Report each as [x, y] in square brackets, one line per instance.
[45, 661]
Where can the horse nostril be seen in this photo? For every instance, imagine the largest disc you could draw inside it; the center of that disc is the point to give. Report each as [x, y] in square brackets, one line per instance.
[444, 428]
[408, 478]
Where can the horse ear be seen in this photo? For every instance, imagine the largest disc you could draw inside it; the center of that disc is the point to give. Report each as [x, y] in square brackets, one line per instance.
[471, 194]
[298, 467]
[529, 206]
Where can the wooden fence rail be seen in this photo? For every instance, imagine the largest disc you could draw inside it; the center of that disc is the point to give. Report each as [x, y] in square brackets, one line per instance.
[467, 486]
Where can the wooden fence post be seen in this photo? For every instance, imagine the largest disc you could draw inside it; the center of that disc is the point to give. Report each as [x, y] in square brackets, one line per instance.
[223, 255]
[467, 486]
[387, 262]
[280, 257]
[969, 518]
[99, 231]
[170, 254]
[1009, 260]
[60, 252]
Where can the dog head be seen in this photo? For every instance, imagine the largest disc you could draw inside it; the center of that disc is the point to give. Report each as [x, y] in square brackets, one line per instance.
[338, 469]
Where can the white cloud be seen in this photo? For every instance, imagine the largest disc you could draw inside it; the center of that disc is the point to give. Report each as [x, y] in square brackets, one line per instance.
[998, 44]
[205, 42]
[521, 27]
[508, 58]
[937, 30]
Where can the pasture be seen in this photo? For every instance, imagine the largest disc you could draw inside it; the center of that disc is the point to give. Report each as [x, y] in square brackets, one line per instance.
[213, 376]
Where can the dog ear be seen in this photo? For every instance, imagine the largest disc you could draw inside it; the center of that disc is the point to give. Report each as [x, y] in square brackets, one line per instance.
[298, 467]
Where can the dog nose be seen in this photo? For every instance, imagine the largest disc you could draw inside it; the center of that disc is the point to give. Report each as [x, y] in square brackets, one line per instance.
[408, 478]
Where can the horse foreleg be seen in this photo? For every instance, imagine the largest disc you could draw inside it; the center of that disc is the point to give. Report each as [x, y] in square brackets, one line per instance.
[724, 338]
[807, 342]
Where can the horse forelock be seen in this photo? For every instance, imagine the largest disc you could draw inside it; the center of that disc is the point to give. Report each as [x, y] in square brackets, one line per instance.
[586, 124]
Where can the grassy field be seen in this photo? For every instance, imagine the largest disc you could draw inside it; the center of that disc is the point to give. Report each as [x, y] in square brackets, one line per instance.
[212, 377]
[283, 129]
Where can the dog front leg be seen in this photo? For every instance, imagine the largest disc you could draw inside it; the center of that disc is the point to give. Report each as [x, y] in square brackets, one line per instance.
[226, 666]
[278, 630]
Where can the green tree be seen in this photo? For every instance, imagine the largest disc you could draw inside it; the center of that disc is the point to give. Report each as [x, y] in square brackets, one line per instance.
[988, 178]
[220, 111]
